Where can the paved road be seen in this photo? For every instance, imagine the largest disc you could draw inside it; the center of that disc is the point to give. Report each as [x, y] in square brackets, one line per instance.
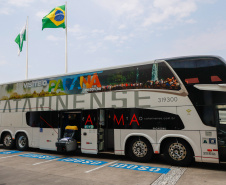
[45, 167]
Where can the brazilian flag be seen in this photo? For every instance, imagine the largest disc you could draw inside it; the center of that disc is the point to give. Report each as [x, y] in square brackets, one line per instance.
[55, 19]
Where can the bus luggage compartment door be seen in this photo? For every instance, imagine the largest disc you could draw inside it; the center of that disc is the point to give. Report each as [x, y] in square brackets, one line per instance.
[48, 138]
[89, 141]
[221, 133]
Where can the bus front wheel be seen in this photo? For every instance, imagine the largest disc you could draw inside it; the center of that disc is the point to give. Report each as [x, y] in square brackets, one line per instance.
[178, 153]
[8, 141]
[22, 142]
[140, 150]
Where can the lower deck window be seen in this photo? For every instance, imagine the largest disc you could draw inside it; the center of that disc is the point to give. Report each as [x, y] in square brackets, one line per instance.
[43, 119]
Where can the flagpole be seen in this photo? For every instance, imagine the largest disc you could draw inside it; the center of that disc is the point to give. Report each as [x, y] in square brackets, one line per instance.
[27, 49]
[66, 37]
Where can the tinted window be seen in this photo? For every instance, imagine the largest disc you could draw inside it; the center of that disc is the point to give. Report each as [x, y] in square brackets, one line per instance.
[43, 119]
[198, 70]
[150, 76]
[206, 114]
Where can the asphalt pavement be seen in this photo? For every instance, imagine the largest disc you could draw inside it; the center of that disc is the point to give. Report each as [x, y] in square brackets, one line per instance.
[47, 167]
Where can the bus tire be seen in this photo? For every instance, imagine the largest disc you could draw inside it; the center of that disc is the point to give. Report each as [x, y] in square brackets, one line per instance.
[178, 153]
[22, 142]
[140, 150]
[8, 141]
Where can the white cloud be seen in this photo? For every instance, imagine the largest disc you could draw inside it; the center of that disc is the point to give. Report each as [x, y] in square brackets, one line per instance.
[75, 29]
[111, 38]
[203, 43]
[3, 62]
[118, 38]
[7, 7]
[122, 26]
[136, 13]
[161, 10]
[53, 38]
[41, 14]
[93, 47]
[20, 3]
[97, 31]
[117, 7]
[190, 21]
[5, 11]
[207, 1]
[81, 37]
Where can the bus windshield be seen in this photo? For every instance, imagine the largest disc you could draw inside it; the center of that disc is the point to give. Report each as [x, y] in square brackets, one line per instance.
[206, 70]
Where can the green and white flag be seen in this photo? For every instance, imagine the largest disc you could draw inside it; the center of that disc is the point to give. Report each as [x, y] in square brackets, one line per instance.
[21, 37]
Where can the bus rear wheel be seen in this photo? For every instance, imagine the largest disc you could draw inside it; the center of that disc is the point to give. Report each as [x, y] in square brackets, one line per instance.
[178, 153]
[140, 150]
[8, 141]
[22, 142]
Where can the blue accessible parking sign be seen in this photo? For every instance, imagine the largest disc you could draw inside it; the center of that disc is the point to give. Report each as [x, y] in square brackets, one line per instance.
[141, 168]
[38, 156]
[82, 161]
[9, 152]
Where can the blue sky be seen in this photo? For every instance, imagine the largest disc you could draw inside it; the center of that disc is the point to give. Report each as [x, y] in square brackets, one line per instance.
[104, 33]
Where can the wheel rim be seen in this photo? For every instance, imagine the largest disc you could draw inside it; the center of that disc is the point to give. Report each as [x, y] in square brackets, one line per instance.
[7, 140]
[177, 151]
[140, 149]
[22, 141]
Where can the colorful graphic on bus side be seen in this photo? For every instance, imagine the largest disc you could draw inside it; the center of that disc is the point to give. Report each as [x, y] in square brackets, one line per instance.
[149, 76]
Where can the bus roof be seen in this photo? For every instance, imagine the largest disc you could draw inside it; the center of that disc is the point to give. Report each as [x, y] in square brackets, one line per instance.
[194, 57]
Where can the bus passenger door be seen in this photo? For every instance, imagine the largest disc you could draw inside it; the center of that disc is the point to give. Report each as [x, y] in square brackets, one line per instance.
[70, 118]
[221, 134]
[106, 139]
[89, 132]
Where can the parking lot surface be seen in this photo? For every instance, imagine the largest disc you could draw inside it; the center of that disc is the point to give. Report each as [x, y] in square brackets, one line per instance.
[46, 167]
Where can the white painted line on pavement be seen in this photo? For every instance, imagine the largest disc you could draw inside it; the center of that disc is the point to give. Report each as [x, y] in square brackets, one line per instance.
[45, 161]
[12, 156]
[8, 156]
[101, 166]
[171, 177]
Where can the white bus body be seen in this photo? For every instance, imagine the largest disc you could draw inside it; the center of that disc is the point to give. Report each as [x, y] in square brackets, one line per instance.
[155, 116]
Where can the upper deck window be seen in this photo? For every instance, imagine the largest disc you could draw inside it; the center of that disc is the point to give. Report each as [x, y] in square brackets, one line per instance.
[156, 75]
[149, 76]
[200, 70]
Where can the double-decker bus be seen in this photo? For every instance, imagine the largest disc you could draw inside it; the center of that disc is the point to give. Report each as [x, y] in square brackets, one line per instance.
[175, 107]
